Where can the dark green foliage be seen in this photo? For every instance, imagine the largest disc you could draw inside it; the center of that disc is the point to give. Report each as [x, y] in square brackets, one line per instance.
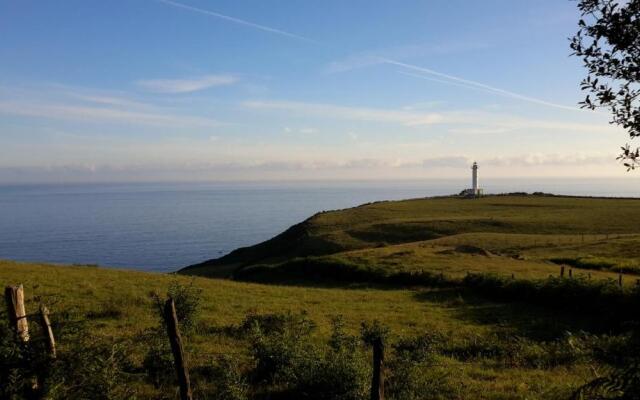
[623, 382]
[314, 269]
[585, 262]
[187, 299]
[412, 373]
[281, 346]
[608, 41]
[287, 358]
[603, 297]
[94, 369]
[227, 378]
[373, 331]
[158, 359]
[87, 368]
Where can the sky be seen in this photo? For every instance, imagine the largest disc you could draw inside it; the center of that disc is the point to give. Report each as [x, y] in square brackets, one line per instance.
[189, 90]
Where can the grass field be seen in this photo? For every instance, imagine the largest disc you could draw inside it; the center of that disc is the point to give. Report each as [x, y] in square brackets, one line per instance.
[527, 236]
[117, 304]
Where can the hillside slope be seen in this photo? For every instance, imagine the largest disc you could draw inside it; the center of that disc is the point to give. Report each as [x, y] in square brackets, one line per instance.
[474, 340]
[559, 225]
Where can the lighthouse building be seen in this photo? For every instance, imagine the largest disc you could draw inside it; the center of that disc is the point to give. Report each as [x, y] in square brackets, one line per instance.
[475, 190]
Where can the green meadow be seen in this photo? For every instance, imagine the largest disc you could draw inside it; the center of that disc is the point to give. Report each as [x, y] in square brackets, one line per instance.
[545, 357]
[525, 236]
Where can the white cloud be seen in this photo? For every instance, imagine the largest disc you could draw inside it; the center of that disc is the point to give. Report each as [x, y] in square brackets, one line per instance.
[554, 159]
[349, 113]
[186, 85]
[447, 162]
[103, 114]
[480, 130]
[450, 166]
[469, 122]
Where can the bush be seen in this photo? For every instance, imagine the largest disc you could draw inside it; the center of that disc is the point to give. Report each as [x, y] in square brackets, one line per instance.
[187, 299]
[158, 360]
[289, 361]
[95, 369]
[228, 381]
[280, 344]
[597, 297]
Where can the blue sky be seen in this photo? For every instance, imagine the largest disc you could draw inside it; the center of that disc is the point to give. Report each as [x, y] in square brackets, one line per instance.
[235, 90]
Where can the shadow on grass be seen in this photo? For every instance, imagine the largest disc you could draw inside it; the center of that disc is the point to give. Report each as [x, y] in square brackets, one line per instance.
[523, 319]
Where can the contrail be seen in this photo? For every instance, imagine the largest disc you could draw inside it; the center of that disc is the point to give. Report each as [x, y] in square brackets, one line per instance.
[477, 85]
[450, 79]
[238, 21]
[452, 83]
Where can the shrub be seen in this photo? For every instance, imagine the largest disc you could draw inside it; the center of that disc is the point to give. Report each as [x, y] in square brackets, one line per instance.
[187, 299]
[597, 297]
[158, 360]
[373, 331]
[280, 346]
[95, 369]
[228, 381]
[289, 361]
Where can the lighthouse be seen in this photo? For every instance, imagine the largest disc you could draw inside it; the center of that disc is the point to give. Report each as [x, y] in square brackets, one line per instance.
[474, 178]
[475, 190]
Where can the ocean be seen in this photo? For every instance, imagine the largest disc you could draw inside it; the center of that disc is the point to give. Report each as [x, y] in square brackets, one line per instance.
[165, 226]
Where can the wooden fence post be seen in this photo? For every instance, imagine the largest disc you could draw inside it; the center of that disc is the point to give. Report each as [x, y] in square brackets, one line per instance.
[562, 271]
[620, 280]
[377, 380]
[570, 273]
[175, 339]
[14, 296]
[47, 331]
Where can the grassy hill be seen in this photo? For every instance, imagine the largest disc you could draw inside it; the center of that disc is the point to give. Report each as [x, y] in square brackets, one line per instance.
[479, 349]
[523, 235]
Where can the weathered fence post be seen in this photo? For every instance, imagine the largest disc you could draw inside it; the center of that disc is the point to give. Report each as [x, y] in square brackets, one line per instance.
[620, 280]
[570, 273]
[562, 271]
[175, 339]
[589, 274]
[377, 380]
[14, 296]
[47, 331]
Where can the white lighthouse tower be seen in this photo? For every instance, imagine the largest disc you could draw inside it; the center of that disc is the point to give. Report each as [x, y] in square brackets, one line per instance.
[474, 178]
[475, 190]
